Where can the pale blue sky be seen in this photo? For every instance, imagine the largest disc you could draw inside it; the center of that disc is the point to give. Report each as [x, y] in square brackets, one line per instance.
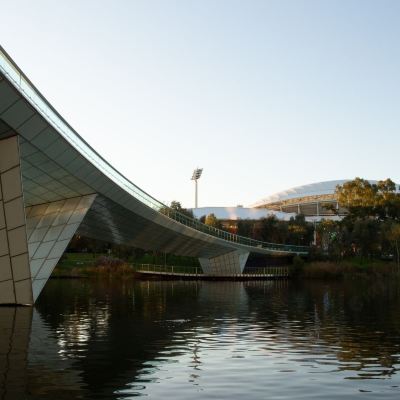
[264, 95]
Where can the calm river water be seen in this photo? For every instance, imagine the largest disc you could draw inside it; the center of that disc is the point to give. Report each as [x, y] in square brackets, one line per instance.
[203, 340]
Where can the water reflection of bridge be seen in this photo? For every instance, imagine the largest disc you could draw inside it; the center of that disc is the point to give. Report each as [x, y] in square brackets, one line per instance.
[82, 346]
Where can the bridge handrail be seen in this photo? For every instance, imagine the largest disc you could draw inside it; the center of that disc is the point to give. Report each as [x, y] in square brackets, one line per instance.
[195, 271]
[33, 95]
[196, 224]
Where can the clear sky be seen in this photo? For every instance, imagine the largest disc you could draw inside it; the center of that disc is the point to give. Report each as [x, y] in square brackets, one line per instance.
[264, 95]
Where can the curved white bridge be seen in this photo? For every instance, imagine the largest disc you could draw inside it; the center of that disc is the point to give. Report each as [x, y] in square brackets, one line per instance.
[53, 184]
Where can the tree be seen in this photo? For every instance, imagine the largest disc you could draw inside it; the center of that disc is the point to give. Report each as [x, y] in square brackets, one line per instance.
[300, 231]
[176, 206]
[245, 227]
[358, 197]
[268, 230]
[364, 199]
[366, 237]
[212, 220]
[330, 238]
[370, 228]
[393, 235]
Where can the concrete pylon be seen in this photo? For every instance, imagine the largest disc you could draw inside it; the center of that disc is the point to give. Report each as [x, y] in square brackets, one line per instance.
[226, 264]
[50, 227]
[32, 239]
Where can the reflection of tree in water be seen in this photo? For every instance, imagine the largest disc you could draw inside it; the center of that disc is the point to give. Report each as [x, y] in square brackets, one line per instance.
[357, 322]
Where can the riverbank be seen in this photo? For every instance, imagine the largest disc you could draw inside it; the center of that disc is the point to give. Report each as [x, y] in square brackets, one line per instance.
[85, 265]
[81, 266]
[346, 268]
[76, 266]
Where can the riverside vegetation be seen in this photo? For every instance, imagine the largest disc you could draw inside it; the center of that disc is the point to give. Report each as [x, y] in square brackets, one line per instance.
[366, 242]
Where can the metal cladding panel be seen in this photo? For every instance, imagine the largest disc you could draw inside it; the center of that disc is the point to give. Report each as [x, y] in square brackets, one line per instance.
[44, 181]
[32, 127]
[61, 152]
[15, 279]
[225, 265]
[8, 96]
[5, 130]
[45, 138]
[18, 113]
[111, 222]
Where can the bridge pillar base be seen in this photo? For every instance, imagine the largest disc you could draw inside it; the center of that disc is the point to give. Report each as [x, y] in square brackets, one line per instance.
[226, 264]
[15, 275]
[50, 228]
[33, 238]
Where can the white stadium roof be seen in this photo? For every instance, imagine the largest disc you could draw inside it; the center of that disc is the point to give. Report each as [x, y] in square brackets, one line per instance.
[254, 213]
[312, 189]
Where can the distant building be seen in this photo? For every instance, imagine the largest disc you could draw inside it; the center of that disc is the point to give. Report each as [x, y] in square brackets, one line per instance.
[315, 201]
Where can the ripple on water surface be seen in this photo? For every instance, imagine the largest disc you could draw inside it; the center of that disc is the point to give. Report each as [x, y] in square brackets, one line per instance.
[200, 340]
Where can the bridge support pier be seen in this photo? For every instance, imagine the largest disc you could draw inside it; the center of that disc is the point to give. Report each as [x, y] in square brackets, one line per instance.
[226, 264]
[50, 227]
[15, 276]
[33, 238]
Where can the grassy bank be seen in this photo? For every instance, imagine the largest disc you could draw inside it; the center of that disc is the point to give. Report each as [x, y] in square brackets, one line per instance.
[346, 268]
[84, 265]
[80, 265]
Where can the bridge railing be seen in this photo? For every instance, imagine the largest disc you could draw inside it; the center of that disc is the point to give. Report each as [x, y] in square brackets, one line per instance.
[196, 224]
[14, 74]
[167, 269]
[268, 271]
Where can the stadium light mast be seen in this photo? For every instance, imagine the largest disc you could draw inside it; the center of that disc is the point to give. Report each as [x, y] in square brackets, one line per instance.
[195, 177]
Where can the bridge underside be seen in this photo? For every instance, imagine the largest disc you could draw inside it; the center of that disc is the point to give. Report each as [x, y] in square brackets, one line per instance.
[39, 216]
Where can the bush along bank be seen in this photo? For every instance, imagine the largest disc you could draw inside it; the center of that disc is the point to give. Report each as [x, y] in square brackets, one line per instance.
[346, 268]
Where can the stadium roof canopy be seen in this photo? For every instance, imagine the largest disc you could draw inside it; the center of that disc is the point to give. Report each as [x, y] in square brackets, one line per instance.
[310, 190]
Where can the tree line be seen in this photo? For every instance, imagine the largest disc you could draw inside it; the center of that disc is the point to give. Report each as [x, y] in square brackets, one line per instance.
[371, 227]
[269, 229]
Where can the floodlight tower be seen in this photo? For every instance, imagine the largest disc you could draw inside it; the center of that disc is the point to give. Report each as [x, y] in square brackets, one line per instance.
[195, 177]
